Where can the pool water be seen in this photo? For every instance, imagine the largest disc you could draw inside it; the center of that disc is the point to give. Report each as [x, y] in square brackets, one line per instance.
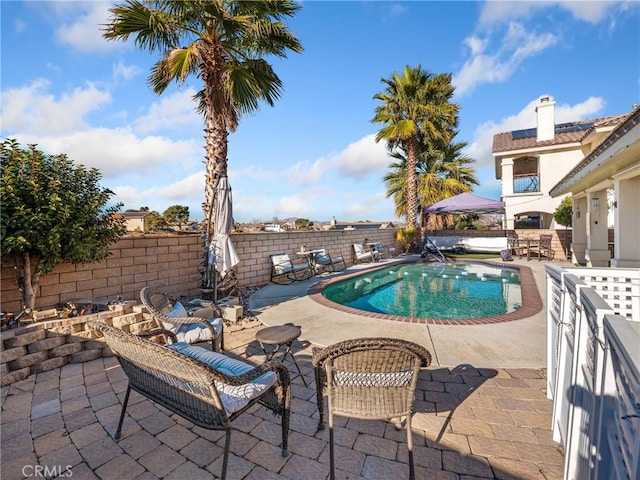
[432, 290]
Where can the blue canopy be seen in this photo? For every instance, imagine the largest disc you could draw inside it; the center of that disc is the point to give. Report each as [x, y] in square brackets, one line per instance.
[465, 203]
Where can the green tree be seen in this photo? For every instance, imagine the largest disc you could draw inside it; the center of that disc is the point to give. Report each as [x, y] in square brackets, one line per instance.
[176, 215]
[222, 42]
[303, 224]
[415, 108]
[52, 212]
[442, 171]
[155, 220]
[563, 215]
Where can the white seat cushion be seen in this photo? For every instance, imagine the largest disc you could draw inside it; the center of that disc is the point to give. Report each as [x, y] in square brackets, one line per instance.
[191, 332]
[197, 332]
[233, 398]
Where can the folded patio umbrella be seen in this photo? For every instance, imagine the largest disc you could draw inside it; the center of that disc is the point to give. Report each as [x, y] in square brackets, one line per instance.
[222, 254]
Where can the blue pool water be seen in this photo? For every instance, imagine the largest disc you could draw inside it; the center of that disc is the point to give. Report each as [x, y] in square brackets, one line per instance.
[432, 290]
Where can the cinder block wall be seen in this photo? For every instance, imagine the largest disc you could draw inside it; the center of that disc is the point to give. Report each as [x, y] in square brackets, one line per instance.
[175, 263]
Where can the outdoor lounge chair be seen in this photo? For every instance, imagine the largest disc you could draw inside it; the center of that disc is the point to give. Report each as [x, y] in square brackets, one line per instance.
[362, 255]
[327, 262]
[207, 388]
[384, 251]
[173, 320]
[369, 378]
[284, 271]
[543, 248]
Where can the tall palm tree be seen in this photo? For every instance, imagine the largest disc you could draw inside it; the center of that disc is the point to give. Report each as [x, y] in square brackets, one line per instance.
[442, 171]
[414, 105]
[223, 42]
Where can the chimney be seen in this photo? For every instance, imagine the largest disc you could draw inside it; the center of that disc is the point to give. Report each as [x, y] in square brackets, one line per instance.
[546, 119]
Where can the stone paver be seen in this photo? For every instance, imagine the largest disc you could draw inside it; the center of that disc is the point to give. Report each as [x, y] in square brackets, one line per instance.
[469, 423]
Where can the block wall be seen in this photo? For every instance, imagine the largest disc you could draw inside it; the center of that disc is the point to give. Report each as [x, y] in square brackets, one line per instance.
[175, 263]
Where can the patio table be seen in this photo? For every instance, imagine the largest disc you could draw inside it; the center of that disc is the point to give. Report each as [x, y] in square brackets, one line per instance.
[311, 259]
[277, 337]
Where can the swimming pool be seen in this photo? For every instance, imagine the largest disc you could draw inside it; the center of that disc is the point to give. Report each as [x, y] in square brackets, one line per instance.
[438, 293]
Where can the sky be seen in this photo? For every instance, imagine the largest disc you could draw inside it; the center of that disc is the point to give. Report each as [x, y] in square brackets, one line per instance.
[313, 154]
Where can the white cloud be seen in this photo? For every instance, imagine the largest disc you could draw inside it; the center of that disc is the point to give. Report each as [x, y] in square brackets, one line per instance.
[499, 12]
[33, 110]
[115, 151]
[83, 30]
[515, 47]
[170, 111]
[125, 72]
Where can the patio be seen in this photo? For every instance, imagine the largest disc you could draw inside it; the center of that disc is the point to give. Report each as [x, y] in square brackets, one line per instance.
[473, 420]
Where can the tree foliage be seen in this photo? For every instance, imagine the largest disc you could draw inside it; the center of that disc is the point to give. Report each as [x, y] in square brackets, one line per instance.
[176, 215]
[563, 214]
[52, 212]
[223, 43]
[415, 108]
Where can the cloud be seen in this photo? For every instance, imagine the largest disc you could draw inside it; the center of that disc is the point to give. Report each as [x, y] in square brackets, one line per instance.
[117, 151]
[33, 110]
[170, 111]
[82, 30]
[125, 72]
[516, 46]
[501, 12]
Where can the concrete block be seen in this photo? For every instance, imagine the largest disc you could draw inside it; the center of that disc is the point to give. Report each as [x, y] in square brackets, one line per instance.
[228, 301]
[232, 314]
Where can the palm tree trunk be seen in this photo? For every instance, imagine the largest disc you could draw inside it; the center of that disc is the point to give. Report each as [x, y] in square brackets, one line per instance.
[412, 183]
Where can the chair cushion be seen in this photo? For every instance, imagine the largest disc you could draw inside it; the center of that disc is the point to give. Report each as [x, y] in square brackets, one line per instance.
[197, 332]
[233, 398]
[177, 312]
[281, 263]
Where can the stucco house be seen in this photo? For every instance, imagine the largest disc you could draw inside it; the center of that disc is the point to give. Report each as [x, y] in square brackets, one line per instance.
[134, 221]
[531, 161]
[614, 165]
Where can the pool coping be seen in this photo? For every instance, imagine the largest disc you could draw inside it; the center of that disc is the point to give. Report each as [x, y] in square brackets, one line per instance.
[531, 303]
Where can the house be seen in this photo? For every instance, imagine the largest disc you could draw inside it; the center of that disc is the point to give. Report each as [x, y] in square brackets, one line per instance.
[135, 221]
[614, 165]
[531, 161]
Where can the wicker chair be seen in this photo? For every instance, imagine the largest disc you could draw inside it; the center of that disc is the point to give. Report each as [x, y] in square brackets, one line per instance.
[369, 378]
[207, 388]
[207, 321]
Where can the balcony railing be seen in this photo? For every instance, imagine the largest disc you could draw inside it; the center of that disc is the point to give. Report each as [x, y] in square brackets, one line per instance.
[593, 369]
[526, 183]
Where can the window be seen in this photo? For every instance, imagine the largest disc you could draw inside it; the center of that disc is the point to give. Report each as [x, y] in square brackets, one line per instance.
[525, 175]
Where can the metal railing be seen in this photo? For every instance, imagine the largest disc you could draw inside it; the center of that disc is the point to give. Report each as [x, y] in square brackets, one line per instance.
[526, 183]
[593, 368]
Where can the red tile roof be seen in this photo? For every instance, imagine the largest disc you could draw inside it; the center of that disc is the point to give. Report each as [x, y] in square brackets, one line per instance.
[565, 133]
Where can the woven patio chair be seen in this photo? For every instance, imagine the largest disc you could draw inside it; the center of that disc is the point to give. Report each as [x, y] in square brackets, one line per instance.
[369, 378]
[173, 320]
[209, 389]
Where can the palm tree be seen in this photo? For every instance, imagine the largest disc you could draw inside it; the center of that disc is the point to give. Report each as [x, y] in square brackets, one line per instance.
[223, 42]
[442, 171]
[415, 105]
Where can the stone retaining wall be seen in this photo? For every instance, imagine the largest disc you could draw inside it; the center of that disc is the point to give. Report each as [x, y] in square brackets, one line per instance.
[43, 346]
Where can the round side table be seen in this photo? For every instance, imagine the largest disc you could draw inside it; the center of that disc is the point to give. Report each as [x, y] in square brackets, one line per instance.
[277, 337]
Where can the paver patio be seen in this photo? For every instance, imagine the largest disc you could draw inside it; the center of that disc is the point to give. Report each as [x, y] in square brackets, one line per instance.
[469, 423]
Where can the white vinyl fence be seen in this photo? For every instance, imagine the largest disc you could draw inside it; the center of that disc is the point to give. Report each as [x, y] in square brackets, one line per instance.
[593, 368]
